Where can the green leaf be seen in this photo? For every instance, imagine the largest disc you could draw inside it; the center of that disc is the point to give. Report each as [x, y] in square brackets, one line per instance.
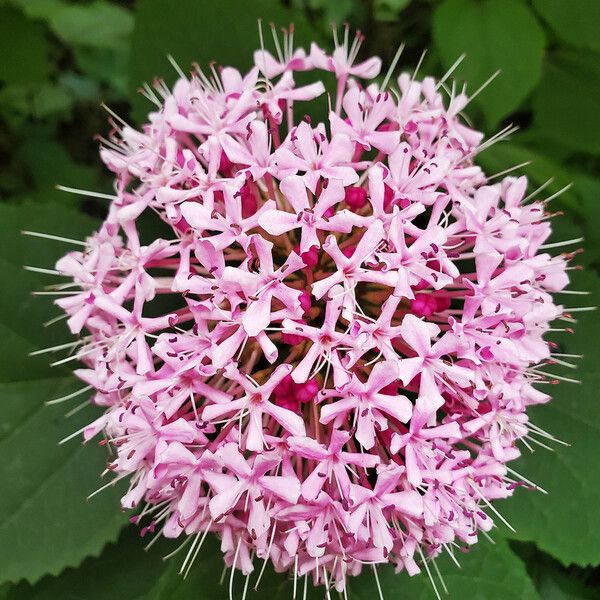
[38, 9]
[576, 22]
[589, 190]
[99, 24]
[490, 572]
[552, 580]
[23, 48]
[388, 10]
[565, 523]
[48, 163]
[20, 103]
[191, 31]
[147, 577]
[567, 101]
[494, 34]
[45, 521]
[105, 65]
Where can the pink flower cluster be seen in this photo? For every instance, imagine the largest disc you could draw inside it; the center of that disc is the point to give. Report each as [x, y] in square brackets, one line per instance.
[316, 340]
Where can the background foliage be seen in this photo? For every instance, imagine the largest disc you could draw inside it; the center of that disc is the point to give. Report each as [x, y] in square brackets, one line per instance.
[59, 60]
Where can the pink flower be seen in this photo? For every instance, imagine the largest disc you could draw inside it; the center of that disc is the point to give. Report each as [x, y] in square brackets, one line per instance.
[309, 219]
[311, 152]
[328, 357]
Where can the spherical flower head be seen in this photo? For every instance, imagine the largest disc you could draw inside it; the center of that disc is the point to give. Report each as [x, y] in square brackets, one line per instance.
[327, 357]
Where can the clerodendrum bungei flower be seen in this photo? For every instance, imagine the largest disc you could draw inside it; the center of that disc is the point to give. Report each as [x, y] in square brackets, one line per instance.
[326, 355]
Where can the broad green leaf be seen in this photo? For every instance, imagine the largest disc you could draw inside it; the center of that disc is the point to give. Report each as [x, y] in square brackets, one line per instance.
[576, 22]
[567, 101]
[105, 65]
[388, 10]
[552, 580]
[48, 163]
[488, 572]
[99, 24]
[45, 521]
[565, 523]
[38, 9]
[333, 12]
[50, 99]
[494, 34]
[191, 31]
[23, 48]
[20, 103]
[147, 577]
[589, 190]
[554, 584]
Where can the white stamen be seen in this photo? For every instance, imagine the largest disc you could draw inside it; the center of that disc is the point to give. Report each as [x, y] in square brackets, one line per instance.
[506, 171]
[231, 575]
[177, 68]
[379, 590]
[538, 190]
[559, 244]
[437, 594]
[450, 71]
[266, 557]
[561, 191]
[69, 396]
[91, 194]
[489, 505]
[484, 85]
[437, 570]
[392, 67]
[107, 485]
[43, 271]
[55, 348]
[56, 238]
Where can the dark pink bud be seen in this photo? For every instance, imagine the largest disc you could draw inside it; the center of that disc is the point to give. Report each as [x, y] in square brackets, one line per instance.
[306, 392]
[310, 258]
[442, 303]
[388, 197]
[423, 305]
[305, 302]
[225, 164]
[248, 201]
[348, 251]
[410, 127]
[355, 197]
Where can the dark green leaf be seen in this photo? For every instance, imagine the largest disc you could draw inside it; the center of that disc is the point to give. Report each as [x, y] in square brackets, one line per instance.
[589, 190]
[577, 21]
[565, 522]
[388, 10]
[105, 65]
[552, 580]
[45, 521]
[99, 24]
[23, 48]
[225, 31]
[567, 101]
[38, 9]
[48, 163]
[147, 577]
[495, 34]
[488, 572]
